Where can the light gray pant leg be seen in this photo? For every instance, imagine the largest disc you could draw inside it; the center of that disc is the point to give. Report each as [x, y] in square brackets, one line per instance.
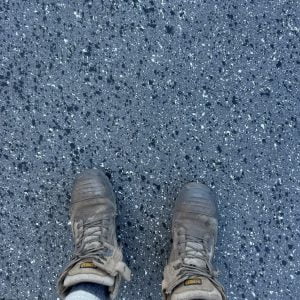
[88, 291]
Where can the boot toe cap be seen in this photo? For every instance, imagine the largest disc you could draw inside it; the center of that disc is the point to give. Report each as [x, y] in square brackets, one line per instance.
[91, 184]
[199, 198]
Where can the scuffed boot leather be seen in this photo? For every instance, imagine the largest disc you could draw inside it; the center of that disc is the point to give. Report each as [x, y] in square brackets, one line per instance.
[97, 256]
[189, 274]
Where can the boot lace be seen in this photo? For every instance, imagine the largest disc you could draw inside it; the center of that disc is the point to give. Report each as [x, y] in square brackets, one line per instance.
[195, 261]
[194, 251]
[92, 240]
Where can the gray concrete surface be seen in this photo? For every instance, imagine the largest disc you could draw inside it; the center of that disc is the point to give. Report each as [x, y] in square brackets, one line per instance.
[158, 93]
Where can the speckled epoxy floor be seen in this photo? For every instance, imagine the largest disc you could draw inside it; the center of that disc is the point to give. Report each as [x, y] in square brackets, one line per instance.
[159, 93]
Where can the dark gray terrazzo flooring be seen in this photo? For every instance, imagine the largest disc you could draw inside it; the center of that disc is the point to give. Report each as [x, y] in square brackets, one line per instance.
[158, 93]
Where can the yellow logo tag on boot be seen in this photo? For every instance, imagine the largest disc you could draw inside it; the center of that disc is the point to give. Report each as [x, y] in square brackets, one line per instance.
[88, 264]
[193, 281]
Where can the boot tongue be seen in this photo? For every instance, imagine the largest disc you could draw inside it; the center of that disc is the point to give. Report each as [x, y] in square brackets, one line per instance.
[196, 288]
[87, 271]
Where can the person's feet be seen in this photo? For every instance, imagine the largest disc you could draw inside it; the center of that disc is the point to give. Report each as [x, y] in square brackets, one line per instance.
[97, 257]
[189, 274]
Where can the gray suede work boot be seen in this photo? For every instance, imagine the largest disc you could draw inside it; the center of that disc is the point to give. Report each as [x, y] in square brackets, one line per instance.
[97, 257]
[189, 274]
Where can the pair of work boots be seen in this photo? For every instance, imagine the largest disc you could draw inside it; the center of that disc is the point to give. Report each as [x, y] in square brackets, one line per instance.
[189, 274]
